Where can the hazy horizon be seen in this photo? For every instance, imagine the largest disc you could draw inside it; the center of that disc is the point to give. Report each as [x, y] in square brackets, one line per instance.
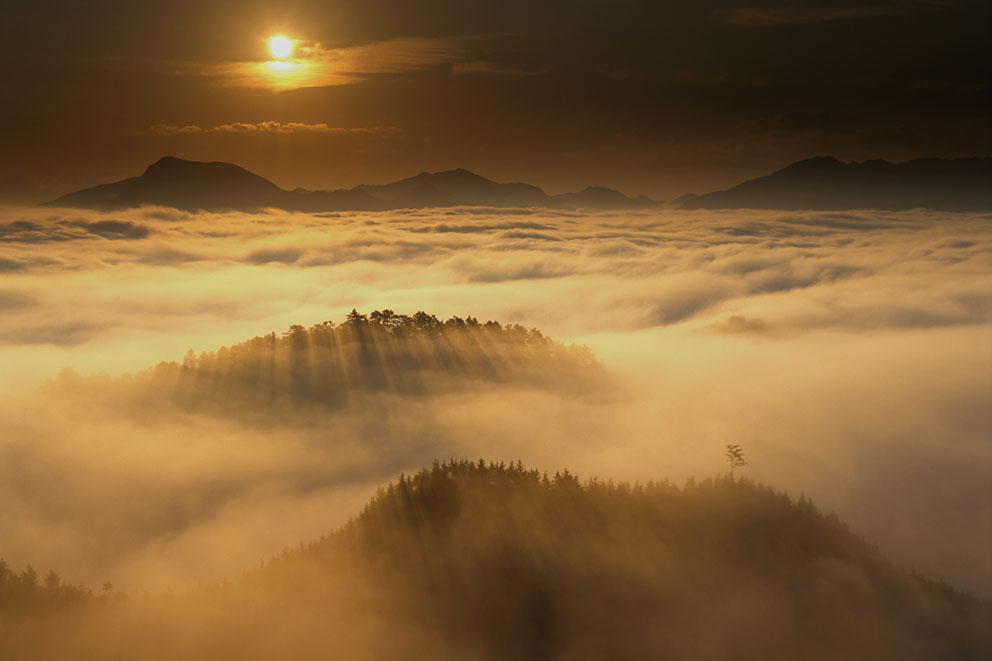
[659, 99]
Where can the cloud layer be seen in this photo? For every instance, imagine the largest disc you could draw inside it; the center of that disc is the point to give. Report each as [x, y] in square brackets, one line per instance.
[847, 353]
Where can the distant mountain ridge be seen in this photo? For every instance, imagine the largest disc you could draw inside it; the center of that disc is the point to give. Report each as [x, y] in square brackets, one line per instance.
[194, 185]
[827, 183]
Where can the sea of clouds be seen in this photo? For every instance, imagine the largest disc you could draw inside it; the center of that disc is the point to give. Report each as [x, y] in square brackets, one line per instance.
[849, 354]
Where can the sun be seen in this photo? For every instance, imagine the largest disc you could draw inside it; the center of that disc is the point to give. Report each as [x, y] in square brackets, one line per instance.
[281, 47]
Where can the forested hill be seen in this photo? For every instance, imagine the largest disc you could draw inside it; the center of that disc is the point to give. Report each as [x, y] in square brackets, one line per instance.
[506, 562]
[484, 561]
[331, 364]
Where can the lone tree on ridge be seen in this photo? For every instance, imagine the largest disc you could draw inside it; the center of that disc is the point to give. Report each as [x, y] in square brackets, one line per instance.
[736, 458]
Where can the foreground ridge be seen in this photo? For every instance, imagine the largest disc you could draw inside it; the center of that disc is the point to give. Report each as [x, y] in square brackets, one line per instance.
[469, 559]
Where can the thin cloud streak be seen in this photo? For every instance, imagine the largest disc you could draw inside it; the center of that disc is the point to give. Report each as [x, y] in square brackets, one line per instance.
[271, 128]
[314, 65]
[797, 15]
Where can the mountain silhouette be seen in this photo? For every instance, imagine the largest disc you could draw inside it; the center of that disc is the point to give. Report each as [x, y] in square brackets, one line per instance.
[826, 183]
[185, 184]
[598, 197]
[193, 185]
[455, 187]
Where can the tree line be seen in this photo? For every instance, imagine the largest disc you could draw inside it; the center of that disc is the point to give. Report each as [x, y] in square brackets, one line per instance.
[26, 592]
[330, 363]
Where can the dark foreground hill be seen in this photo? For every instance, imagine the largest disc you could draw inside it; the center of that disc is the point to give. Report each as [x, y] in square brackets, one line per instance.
[827, 183]
[193, 185]
[480, 561]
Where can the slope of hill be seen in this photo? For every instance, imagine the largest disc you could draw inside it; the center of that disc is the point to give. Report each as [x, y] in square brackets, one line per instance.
[598, 197]
[454, 187]
[485, 561]
[192, 185]
[332, 365]
[827, 183]
[184, 184]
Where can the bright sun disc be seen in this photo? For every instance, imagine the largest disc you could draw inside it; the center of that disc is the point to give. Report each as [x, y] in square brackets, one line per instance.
[280, 46]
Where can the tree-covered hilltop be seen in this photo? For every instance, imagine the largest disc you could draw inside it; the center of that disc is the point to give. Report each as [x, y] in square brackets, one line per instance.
[26, 593]
[381, 352]
[513, 563]
[493, 561]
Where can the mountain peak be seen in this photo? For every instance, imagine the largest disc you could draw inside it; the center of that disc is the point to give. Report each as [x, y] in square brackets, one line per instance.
[216, 186]
[460, 172]
[165, 160]
[815, 164]
[457, 176]
[601, 197]
[171, 166]
[827, 183]
[191, 185]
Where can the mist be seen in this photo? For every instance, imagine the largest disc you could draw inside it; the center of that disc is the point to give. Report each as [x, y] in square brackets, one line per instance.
[847, 353]
[482, 560]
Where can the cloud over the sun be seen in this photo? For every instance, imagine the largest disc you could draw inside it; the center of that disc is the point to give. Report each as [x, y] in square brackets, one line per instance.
[316, 65]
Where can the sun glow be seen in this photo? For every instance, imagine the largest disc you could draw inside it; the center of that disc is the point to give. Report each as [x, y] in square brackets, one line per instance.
[281, 47]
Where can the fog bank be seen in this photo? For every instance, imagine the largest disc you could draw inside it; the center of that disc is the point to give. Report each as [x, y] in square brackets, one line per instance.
[849, 354]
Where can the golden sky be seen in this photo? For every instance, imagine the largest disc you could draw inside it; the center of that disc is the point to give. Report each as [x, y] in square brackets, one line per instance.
[660, 98]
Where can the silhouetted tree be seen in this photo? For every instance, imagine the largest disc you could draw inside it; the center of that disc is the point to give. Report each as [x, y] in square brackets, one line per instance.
[52, 580]
[735, 456]
[355, 318]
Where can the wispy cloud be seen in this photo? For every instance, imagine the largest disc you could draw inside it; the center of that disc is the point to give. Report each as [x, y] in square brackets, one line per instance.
[24, 231]
[314, 65]
[486, 68]
[270, 128]
[739, 324]
[772, 16]
[397, 55]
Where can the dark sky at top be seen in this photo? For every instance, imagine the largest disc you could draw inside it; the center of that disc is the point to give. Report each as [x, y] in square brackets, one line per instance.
[659, 97]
